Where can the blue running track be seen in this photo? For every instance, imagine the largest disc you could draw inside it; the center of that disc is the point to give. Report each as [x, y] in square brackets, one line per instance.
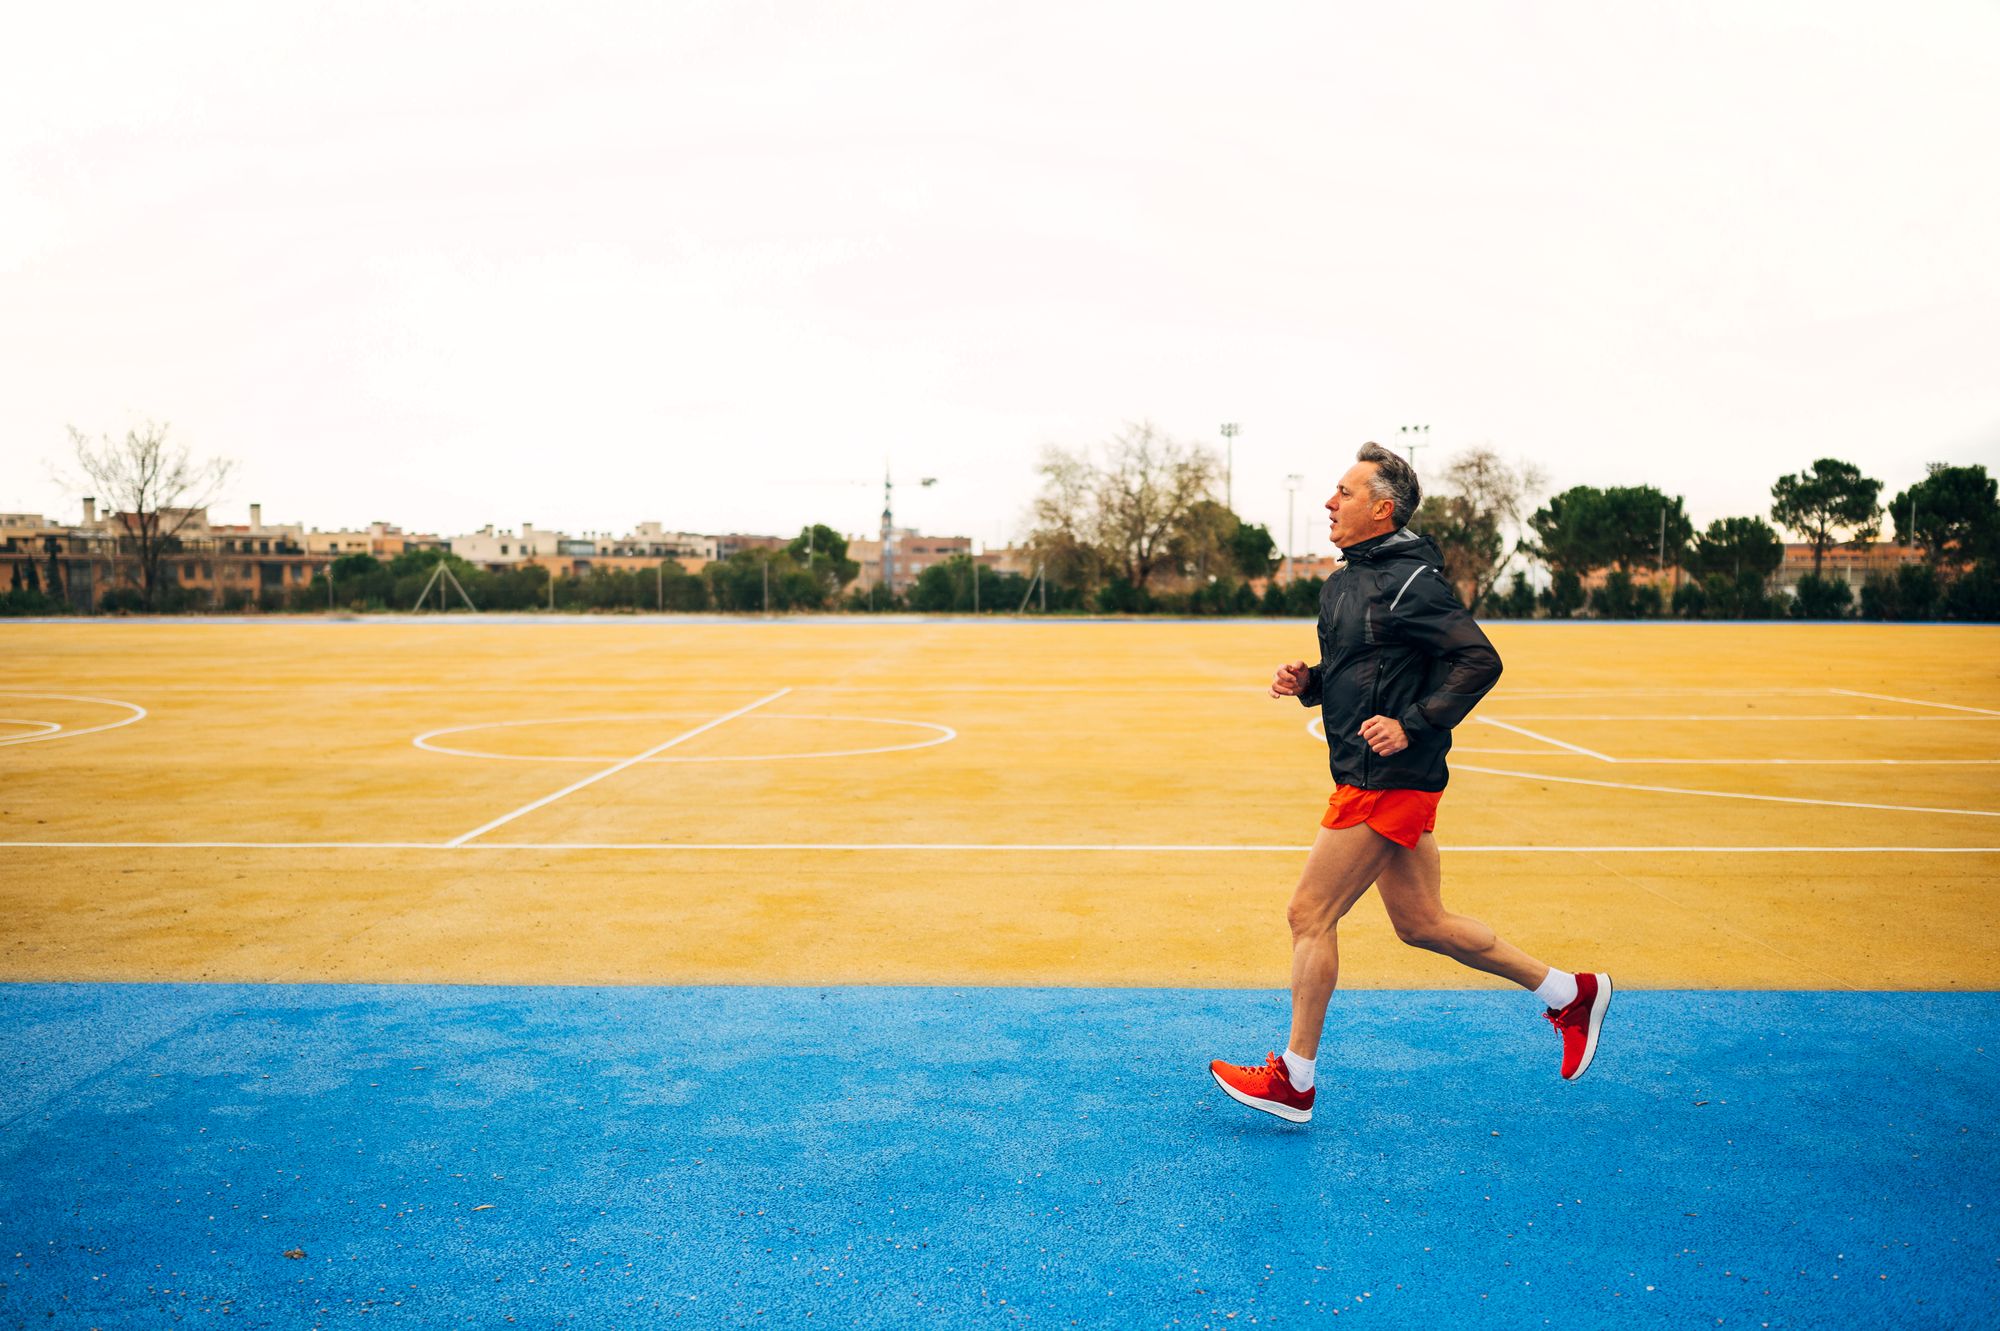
[271, 1156]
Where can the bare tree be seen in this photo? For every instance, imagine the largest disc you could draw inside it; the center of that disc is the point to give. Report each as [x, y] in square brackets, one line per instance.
[1479, 516]
[1127, 513]
[151, 490]
[1063, 518]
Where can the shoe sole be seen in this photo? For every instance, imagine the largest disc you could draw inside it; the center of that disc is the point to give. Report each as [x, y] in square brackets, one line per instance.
[1268, 1106]
[1597, 1011]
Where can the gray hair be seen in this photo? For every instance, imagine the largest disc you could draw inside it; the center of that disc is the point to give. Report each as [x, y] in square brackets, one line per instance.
[1395, 480]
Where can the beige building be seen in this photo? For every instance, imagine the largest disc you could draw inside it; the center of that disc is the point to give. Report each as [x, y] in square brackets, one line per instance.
[911, 553]
[499, 549]
[648, 541]
[208, 564]
[381, 539]
[1853, 563]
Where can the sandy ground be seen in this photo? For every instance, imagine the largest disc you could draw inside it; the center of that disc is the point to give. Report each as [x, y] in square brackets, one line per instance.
[957, 802]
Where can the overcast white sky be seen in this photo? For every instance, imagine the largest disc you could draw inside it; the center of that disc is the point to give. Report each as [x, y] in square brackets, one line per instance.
[713, 264]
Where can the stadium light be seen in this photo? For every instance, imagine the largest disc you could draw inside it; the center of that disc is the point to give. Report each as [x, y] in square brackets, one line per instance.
[1292, 484]
[1229, 432]
[1414, 437]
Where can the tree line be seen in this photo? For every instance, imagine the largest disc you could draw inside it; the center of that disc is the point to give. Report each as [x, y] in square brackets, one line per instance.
[1655, 563]
[1133, 527]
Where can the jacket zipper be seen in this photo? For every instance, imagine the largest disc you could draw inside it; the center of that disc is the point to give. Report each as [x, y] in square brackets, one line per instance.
[1374, 696]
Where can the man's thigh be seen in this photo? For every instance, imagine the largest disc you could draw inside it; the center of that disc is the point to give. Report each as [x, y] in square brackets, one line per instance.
[1342, 864]
[1411, 883]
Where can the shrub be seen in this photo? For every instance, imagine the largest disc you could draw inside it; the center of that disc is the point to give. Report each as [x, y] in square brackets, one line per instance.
[1616, 599]
[1564, 595]
[1517, 603]
[1975, 594]
[1821, 598]
[32, 601]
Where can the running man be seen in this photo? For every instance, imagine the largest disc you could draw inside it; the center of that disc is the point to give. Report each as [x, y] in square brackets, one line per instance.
[1401, 662]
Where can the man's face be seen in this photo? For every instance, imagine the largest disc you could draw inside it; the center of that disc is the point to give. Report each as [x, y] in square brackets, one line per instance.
[1353, 513]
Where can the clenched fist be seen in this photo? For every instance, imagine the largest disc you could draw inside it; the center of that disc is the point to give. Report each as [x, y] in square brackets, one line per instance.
[1290, 681]
[1385, 735]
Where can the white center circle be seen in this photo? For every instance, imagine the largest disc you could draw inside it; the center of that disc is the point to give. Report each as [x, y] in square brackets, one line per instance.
[48, 730]
[931, 734]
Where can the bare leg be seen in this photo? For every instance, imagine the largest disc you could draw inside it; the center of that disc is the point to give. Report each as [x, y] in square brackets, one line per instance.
[1339, 869]
[1412, 890]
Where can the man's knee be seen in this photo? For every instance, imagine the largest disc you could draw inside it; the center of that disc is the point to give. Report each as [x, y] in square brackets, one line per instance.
[1429, 932]
[1310, 917]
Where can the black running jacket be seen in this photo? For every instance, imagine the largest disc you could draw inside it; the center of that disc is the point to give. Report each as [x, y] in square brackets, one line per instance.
[1395, 641]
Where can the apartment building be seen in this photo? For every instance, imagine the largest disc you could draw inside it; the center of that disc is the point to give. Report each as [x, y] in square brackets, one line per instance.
[1853, 563]
[499, 550]
[207, 563]
[381, 539]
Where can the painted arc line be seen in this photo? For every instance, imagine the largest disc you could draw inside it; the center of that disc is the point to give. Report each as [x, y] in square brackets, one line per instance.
[616, 768]
[41, 727]
[921, 846]
[1914, 702]
[1561, 744]
[1728, 794]
[945, 734]
[138, 714]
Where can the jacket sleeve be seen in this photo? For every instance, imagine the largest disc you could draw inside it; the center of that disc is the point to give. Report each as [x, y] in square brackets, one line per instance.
[1430, 617]
[1315, 685]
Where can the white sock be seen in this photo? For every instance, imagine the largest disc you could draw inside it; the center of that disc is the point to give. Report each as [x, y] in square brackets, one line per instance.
[1300, 1070]
[1558, 991]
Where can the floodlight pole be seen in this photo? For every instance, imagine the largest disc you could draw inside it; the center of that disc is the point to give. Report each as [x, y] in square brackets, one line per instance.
[1229, 432]
[809, 553]
[1413, 438]
[1292, 484]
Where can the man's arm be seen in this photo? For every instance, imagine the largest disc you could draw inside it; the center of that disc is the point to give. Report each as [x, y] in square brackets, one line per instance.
[1315, 682]
[1430, 616]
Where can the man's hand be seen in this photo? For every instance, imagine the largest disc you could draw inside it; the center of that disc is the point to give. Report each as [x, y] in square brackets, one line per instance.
[1290, 681]
[1384, 735]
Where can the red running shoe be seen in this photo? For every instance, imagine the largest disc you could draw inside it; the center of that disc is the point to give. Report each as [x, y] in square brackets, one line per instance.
[1268, 1088]
[1578, 1023]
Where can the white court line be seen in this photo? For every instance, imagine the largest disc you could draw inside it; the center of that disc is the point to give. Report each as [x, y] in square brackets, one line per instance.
[945, 734]
[41, 727]
[1561, 744]
[138, 714]
[1299, 849]
[1727, 794]
[615, 768]
[1915, 702]
[847, 847]
[1737, 716]
[1760, 762]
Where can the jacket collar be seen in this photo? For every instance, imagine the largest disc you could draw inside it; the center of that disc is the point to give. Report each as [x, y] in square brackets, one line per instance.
[1376, 546]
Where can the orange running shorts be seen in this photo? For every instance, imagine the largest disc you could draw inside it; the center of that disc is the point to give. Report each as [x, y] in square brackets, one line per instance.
[1400, 815]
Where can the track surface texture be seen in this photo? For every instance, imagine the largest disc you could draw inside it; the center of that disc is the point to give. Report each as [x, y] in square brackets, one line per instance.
[626, 972]
[1698, 805]
[947, 1158]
